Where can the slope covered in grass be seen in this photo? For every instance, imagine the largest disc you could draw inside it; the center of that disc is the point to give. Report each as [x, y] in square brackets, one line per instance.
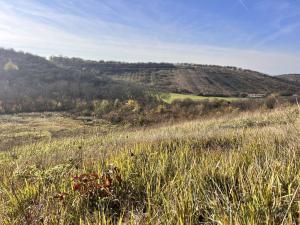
[207, 80]
[170, 97]
[291, 77]
[237, 169]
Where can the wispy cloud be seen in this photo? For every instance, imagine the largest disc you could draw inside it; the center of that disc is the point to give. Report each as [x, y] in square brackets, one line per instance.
[279, 32]
[281, 23]
[244, 4]
[65, 30]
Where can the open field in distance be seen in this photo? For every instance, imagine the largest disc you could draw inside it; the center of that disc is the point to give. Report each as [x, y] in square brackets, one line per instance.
[170, 97]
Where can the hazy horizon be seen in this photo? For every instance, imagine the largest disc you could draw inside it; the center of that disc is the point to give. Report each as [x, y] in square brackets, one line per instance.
[258, 35]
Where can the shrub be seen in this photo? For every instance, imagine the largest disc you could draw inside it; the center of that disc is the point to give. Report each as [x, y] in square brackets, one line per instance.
[133, 105]
[101, 107]
[243, 95]
[10, 66]
[113, 117]
[270, 102]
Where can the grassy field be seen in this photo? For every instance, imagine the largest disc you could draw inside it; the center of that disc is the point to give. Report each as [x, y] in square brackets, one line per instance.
[241, 169]
[26, 128]
[170, 97]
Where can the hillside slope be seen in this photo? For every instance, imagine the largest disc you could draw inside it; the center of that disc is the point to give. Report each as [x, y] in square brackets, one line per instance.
[187, 173]
[33, 83]
[184, 78]
[290, 77]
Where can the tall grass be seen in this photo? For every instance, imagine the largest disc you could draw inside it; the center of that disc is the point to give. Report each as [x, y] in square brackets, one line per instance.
[231, 170]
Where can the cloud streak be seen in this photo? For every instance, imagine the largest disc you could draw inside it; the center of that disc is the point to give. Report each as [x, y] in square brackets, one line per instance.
[281, 31]
[46, 31]
[244, 4]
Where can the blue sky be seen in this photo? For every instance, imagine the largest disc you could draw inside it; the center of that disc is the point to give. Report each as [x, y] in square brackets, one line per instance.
[256, 34]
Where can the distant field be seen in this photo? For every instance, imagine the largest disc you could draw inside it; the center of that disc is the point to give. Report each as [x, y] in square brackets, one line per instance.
[169, 98]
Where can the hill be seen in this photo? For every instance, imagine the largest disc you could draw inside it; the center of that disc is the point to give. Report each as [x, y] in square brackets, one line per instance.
[33, 83]
[290, 77]
[208, 80]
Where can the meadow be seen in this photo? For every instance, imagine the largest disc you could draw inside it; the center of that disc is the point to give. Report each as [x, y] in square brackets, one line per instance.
[238, 168]
[170, 97]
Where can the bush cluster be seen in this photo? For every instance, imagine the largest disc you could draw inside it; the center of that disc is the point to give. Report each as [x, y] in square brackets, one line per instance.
[140, 113]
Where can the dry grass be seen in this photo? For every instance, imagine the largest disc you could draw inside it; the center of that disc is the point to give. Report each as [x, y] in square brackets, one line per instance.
[21, 129]
[232, 170]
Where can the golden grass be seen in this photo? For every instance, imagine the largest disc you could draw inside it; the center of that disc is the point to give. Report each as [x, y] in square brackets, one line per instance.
[170, 97]
[26, 128]
[237, 169]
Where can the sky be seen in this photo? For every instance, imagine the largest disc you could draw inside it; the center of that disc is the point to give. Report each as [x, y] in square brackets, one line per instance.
[262, 35]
